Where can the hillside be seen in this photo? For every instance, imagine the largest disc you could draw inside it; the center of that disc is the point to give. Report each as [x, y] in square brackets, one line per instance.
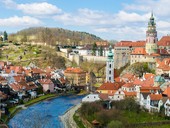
[54, 36]
[24, 55]
[138, 69]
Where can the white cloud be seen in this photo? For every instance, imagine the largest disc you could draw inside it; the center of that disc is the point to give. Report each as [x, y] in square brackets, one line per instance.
[9, 3]
[24, 21]
[36, 9]
[159, 7]
[39, 8]
[131, 17]
[129, 23]
[85, 17]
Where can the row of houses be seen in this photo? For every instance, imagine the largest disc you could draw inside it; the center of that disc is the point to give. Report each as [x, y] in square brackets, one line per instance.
[151, 91]
[17, 82]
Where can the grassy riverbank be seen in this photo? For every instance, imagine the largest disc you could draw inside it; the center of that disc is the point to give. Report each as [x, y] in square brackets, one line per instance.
[15, 109]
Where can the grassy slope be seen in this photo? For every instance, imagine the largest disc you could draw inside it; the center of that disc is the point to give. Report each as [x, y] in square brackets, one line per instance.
[34, 54]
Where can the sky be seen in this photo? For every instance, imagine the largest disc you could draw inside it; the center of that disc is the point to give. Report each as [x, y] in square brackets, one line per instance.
[108, 19]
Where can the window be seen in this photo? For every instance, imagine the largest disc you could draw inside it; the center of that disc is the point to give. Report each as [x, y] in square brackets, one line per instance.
[110, 65]
[109, 78]
[109, 72]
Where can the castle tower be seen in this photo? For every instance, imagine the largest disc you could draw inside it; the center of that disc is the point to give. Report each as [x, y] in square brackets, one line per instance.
[110, 66]
[151, 37]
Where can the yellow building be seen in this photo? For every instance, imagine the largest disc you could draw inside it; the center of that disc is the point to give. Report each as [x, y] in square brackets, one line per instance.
[76, 76]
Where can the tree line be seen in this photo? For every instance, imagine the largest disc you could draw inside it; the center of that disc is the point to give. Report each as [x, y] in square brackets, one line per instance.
[53, 36]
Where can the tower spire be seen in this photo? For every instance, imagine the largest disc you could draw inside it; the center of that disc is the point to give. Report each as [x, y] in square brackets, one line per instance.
[151, 36]
[110, 66]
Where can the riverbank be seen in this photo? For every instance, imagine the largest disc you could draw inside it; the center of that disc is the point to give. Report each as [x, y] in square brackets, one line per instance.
[16, 109]
[67, 118]
[46, 113]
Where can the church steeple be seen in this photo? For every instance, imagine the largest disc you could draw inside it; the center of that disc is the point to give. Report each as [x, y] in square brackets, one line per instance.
[110, 66]
[151, 36]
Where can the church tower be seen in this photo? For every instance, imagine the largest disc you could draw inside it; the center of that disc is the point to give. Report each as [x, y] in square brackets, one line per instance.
[151, 37]
[110, 66]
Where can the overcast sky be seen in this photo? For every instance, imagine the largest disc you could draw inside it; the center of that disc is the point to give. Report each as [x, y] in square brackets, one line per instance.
[108, 19]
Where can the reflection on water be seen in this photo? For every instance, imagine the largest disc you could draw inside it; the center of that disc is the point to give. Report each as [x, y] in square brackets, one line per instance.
[44, 114]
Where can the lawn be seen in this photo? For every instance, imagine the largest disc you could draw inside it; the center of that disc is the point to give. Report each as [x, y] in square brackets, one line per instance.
[39, 99]
[78, 121]
[141, 117]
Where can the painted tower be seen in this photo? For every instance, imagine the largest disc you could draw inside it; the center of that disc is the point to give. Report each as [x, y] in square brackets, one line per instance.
[110, 66]
[151, 37]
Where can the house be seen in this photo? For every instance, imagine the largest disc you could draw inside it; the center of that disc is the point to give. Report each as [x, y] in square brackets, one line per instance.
[23, 89]
[158, 80]
[128, 77]
[167, 107]
[76, 76]
[47, 84]
[163, 67]
[143, 92]
[35, 72]
[109, 88]
[128, 87]
[154, 102]
[112, 89]
[91, 98]
[122, 51]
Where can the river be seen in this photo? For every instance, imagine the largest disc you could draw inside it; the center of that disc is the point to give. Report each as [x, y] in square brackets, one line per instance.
[45, 114]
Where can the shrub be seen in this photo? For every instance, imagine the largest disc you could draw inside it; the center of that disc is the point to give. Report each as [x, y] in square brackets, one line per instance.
[126, 104]
[115, 124]
[87, 110]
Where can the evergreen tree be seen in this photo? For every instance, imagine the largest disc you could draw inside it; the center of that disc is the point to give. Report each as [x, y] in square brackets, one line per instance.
[101, 51]
[94, 49]
[1, 39]
[5, 36]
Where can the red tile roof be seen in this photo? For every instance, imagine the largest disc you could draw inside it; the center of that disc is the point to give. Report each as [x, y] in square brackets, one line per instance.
[137, 82]
[164, 41]
[139, 51]
[130, 43]
[155, 96]
[149, 89]
[128, 76]
[17, 69]
[45, 81]
[167, 92]
[117, 79]
[18, 86]
[104, 96]
[74, 70]
[164, 64]
[128, 85]
[110, 86]
[19, 79]
[149, 75]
